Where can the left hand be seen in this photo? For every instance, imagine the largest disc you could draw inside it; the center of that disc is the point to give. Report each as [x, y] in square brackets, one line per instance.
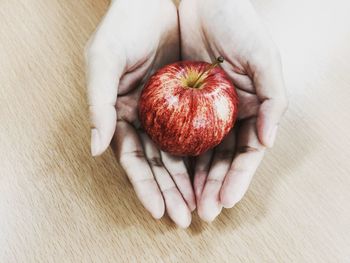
[133, 40]
[210, 28]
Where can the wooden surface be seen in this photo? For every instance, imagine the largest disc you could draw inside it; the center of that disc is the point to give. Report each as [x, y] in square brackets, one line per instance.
[58, 204]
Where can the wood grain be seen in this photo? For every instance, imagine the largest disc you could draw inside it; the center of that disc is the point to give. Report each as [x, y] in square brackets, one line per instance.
[58, 204]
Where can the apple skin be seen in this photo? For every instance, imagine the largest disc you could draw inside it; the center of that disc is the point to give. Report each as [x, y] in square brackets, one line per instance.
[183, 120]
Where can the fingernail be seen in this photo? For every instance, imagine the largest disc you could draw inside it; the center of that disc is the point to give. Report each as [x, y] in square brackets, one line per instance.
[272, 136]
[229, 200]
[209, 212]
[184, 221]
[229, 205]
[156, 207]
[95, 142]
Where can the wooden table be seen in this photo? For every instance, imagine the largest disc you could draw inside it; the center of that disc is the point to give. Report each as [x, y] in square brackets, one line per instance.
[58, 204]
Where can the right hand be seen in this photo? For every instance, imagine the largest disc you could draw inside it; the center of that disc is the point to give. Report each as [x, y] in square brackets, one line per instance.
[134, 39]
[232, 29]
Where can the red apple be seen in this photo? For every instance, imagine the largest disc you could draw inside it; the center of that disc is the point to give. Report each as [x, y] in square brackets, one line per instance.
[188, 107]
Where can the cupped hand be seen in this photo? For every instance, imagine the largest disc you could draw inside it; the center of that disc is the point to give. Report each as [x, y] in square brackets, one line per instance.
[134, 39]
[210, 28]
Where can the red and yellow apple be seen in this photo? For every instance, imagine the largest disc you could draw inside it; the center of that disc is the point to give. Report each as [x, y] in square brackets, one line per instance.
[188, 107]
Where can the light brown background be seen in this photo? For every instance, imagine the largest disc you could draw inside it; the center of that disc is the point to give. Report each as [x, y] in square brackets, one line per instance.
[58, 204]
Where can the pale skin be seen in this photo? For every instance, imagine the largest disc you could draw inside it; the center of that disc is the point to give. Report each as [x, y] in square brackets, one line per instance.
[137, 37]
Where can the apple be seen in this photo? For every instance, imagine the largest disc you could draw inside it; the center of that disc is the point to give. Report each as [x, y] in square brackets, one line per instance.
[188, 107]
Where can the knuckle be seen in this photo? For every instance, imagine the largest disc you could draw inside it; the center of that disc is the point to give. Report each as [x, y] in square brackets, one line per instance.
[247, 149]
[169, 189]
[155, 161]
[224, 154]
[180, 175]
[125, 158]
[214, 180]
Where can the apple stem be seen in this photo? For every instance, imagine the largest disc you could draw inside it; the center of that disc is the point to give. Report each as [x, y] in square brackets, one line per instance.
[218, 61]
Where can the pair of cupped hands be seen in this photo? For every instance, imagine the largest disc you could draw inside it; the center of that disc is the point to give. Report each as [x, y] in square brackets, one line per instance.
[137, 37]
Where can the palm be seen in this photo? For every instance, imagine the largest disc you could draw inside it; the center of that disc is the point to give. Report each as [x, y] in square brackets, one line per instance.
[131, 83]
[210, 29]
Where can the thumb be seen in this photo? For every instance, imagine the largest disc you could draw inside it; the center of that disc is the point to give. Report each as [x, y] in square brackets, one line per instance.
[103, 123]
[103, 74]
[270, 113]
[270, 89]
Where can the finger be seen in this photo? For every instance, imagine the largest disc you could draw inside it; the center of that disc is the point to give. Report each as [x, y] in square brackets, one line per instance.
[104, 69]
[178, 171]
[201, 172]
[270, 113]
[209, 206]
[249, 154]
[130, 155]
[268, 80]
[175, 204]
